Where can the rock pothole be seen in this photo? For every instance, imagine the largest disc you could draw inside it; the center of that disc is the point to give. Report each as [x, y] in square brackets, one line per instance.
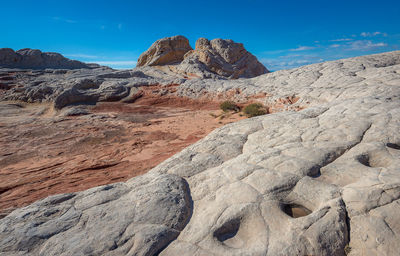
[364, 160]
[295, 210]
[228, 234]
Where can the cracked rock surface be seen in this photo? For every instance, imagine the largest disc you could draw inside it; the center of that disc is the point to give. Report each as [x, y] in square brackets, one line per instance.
[321, 181]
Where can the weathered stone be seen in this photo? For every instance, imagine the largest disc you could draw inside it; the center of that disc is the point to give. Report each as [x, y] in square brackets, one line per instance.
[222, 57]
[168, 50]
[117, 219]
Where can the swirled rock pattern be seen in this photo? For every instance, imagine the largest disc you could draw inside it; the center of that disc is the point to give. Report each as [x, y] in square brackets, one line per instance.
[132, 221]
[321, 181]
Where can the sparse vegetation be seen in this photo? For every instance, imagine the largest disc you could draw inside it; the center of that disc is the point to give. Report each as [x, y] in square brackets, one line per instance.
[347, 249]
[254, 109]
[229, 106]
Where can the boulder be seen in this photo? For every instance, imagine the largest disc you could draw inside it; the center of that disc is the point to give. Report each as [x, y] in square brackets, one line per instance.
[35, 59]
[169, 50]
[222, 57]
[117, 219]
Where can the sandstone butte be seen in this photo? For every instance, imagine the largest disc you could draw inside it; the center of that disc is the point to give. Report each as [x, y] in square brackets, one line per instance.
[318, 175]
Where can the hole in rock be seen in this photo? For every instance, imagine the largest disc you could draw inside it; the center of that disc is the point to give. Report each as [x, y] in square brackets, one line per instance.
[364, 159]
[295, 210]
[227, 232]
[394, 146]
[314, 172]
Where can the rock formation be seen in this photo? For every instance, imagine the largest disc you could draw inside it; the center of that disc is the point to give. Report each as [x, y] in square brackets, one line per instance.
[223, 57]
[35, 59]
[321, 181]
[168, 50]
[217, 58]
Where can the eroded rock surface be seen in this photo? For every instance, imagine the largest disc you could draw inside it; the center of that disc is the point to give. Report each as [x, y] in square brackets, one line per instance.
[217, 58]
[168, 50]
[321, 181]
[222, 57]
[122, 219]
[79, 86]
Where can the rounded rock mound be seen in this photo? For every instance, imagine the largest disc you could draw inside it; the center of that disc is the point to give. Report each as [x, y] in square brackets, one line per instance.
[218, 58]
[168, 50]
[223, 57]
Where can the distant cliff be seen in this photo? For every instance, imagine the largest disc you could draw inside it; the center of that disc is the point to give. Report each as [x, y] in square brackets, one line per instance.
[35, 59]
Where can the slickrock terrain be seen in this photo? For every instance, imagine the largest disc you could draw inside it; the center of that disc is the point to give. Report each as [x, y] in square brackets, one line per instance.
[320, 175]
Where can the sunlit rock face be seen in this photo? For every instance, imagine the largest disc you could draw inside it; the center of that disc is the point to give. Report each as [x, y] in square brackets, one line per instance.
[222, 57]
[168, 50]
[218, 58]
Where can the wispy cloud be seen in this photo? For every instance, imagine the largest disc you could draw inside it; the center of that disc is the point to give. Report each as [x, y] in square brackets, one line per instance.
[343, 47]
[341, 40]
[290, 61]
[83, 56]
[64, 20]
[117, 63]
[302, 48]
[365, 45]
[372, 34]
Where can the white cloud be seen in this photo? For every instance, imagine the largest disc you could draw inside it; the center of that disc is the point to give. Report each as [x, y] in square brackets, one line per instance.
[289, 61]
[371, 34]
[64, 20]
[334, 45]
[341, 40]
[365, 45]
[117, 63]
[83, 56]
[302, 48]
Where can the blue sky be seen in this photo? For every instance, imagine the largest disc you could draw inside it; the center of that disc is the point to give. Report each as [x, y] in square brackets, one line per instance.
[282, 34]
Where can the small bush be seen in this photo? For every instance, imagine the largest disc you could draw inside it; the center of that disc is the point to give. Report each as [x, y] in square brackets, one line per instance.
[347, 249]
[229, 106]
[254, 109]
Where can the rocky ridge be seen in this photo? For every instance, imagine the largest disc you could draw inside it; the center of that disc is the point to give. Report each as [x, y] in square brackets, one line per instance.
[321, 181]
[222, 57]
[35, 59]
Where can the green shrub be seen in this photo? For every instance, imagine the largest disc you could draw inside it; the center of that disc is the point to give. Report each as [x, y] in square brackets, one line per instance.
[229, 106]
[254, 109]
